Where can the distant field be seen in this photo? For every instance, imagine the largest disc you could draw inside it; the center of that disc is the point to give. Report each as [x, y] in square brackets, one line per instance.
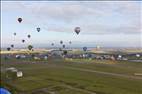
[75, 77]
[74, 51]
[124, 50]
[23, 51]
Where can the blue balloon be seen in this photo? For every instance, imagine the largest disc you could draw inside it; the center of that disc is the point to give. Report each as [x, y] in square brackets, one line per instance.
[4, 91]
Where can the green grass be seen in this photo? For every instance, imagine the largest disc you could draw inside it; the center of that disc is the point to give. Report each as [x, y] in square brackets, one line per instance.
[54, 77]
[121, 67]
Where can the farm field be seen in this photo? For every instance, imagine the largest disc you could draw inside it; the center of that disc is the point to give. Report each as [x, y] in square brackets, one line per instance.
[76, 76]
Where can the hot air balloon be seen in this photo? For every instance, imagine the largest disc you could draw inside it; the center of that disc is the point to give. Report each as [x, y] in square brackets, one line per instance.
[14, 34]
[65, 52]
[30, 47]
[61, 42]
[12, 46]
[77, 30]
[19, 20]
[29, 36]
[63, 46]
[70, 42]
[23, 40]
[84, 48]
[38, 29]
[8, 49]
[52, 44]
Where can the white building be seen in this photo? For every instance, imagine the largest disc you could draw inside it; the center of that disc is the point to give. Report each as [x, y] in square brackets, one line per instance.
[137, 55]
[45, 57]
[19, 74]
[119, 57]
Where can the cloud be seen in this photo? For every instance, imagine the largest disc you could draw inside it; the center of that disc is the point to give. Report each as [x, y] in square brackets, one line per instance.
[96, 17]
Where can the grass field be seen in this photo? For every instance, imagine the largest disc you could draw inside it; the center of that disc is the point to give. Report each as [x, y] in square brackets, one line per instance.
[75, 76]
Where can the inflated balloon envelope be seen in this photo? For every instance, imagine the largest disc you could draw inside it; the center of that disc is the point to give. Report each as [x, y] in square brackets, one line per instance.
[19, 20]
[77, 30]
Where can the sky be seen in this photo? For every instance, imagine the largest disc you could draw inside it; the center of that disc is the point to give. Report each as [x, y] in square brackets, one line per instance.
[103, 23]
